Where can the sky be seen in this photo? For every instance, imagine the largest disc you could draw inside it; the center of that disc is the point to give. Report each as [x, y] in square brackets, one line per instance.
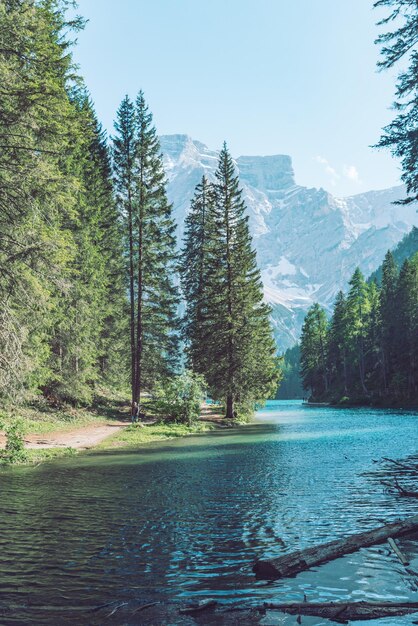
[293, 77]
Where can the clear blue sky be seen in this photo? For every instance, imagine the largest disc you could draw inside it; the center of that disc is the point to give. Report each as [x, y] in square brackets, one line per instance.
[293, 77]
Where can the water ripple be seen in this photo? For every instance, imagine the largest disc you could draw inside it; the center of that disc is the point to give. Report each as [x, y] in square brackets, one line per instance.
[189, 517]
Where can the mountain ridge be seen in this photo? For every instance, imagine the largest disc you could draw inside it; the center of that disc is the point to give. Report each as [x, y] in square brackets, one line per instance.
[308, 241]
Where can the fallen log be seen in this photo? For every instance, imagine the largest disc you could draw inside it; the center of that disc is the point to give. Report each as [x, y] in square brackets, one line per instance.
[292, 564]
[342, 612]
[397, 551]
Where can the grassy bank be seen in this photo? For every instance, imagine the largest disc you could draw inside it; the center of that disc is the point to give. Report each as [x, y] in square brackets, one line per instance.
[139, 434]
[41, 455]
[129, 438]
[58, 424]
[40, 417]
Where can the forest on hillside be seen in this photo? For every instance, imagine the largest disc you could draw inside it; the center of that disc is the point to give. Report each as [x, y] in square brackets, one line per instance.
[367, 352]
[330, 360]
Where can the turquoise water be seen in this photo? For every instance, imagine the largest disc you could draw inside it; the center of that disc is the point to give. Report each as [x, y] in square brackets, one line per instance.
[187, 518]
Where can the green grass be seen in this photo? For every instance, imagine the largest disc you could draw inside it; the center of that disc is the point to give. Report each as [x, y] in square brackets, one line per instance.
[41, 418]
[35, 456]
[137, 435]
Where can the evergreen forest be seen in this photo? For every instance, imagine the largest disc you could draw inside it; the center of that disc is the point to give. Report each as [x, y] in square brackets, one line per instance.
[367, 352]
[91, 274]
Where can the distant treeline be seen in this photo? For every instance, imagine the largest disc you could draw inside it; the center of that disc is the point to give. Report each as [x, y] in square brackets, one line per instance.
[291, 385]
[88, 255]
[368, 351]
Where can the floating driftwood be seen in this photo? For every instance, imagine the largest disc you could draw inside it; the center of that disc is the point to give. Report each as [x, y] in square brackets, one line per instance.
[343, 612]
[291, 564]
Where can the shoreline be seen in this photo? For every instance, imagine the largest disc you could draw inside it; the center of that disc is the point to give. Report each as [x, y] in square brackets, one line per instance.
[103, 434]
[362, 405]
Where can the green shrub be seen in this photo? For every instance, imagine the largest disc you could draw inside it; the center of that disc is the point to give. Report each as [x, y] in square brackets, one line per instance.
[344, 400]
[14, 451]
[179, 399]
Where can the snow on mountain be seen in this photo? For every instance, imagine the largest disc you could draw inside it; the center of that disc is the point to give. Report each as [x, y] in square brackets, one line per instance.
[308, 242]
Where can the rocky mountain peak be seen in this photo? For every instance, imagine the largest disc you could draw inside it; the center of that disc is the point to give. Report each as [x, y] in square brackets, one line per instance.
[267, 173]
[308, 242]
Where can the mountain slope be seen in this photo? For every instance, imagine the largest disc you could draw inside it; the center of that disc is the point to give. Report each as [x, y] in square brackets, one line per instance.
[405, 249]
[308, 242]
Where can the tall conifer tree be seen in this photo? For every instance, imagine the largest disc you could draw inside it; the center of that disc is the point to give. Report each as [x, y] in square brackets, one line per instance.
[150, 248]
[38, 128]
[313, 351]
[406, 329]
[337, 345]
[194, 272]
[358, 308]
[388, 316]
[124, 155]
[240, 365]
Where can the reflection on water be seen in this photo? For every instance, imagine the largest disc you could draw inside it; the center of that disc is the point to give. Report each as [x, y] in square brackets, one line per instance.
[188, 517]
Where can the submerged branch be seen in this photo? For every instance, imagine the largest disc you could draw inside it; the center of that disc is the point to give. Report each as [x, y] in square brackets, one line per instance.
[343, 612]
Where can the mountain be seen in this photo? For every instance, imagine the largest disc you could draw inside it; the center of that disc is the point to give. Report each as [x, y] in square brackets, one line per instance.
[406, 248]
[308, 242]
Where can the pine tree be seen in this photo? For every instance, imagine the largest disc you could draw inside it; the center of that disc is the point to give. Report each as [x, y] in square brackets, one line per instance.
[194, 267]
[112, 340]
[388, 315]
[400, 45]
[374, 365]
[157, 299]
[358, 307]
[124, 155]
[146, 213]
[337, 346]
[241, 366]
[313, 352]
[37, 130]
[406, 330]
[90, 303]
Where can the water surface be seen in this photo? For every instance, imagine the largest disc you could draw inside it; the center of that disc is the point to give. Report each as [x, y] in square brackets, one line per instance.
[187, 518]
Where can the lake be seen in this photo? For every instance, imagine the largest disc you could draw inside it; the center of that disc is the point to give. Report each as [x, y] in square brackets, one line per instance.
[186, 518]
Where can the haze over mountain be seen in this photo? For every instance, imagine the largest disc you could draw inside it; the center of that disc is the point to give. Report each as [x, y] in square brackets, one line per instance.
[308, 242]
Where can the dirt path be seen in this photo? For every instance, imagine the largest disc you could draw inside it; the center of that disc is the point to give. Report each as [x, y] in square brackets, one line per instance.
[86, 437]
[79, 438]
[212, 413]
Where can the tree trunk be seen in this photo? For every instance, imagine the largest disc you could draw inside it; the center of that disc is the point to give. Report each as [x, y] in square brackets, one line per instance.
[229, 407]
[139, 328]
[343, 612]
[291, 564]
[229, 400]
[132, 299]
